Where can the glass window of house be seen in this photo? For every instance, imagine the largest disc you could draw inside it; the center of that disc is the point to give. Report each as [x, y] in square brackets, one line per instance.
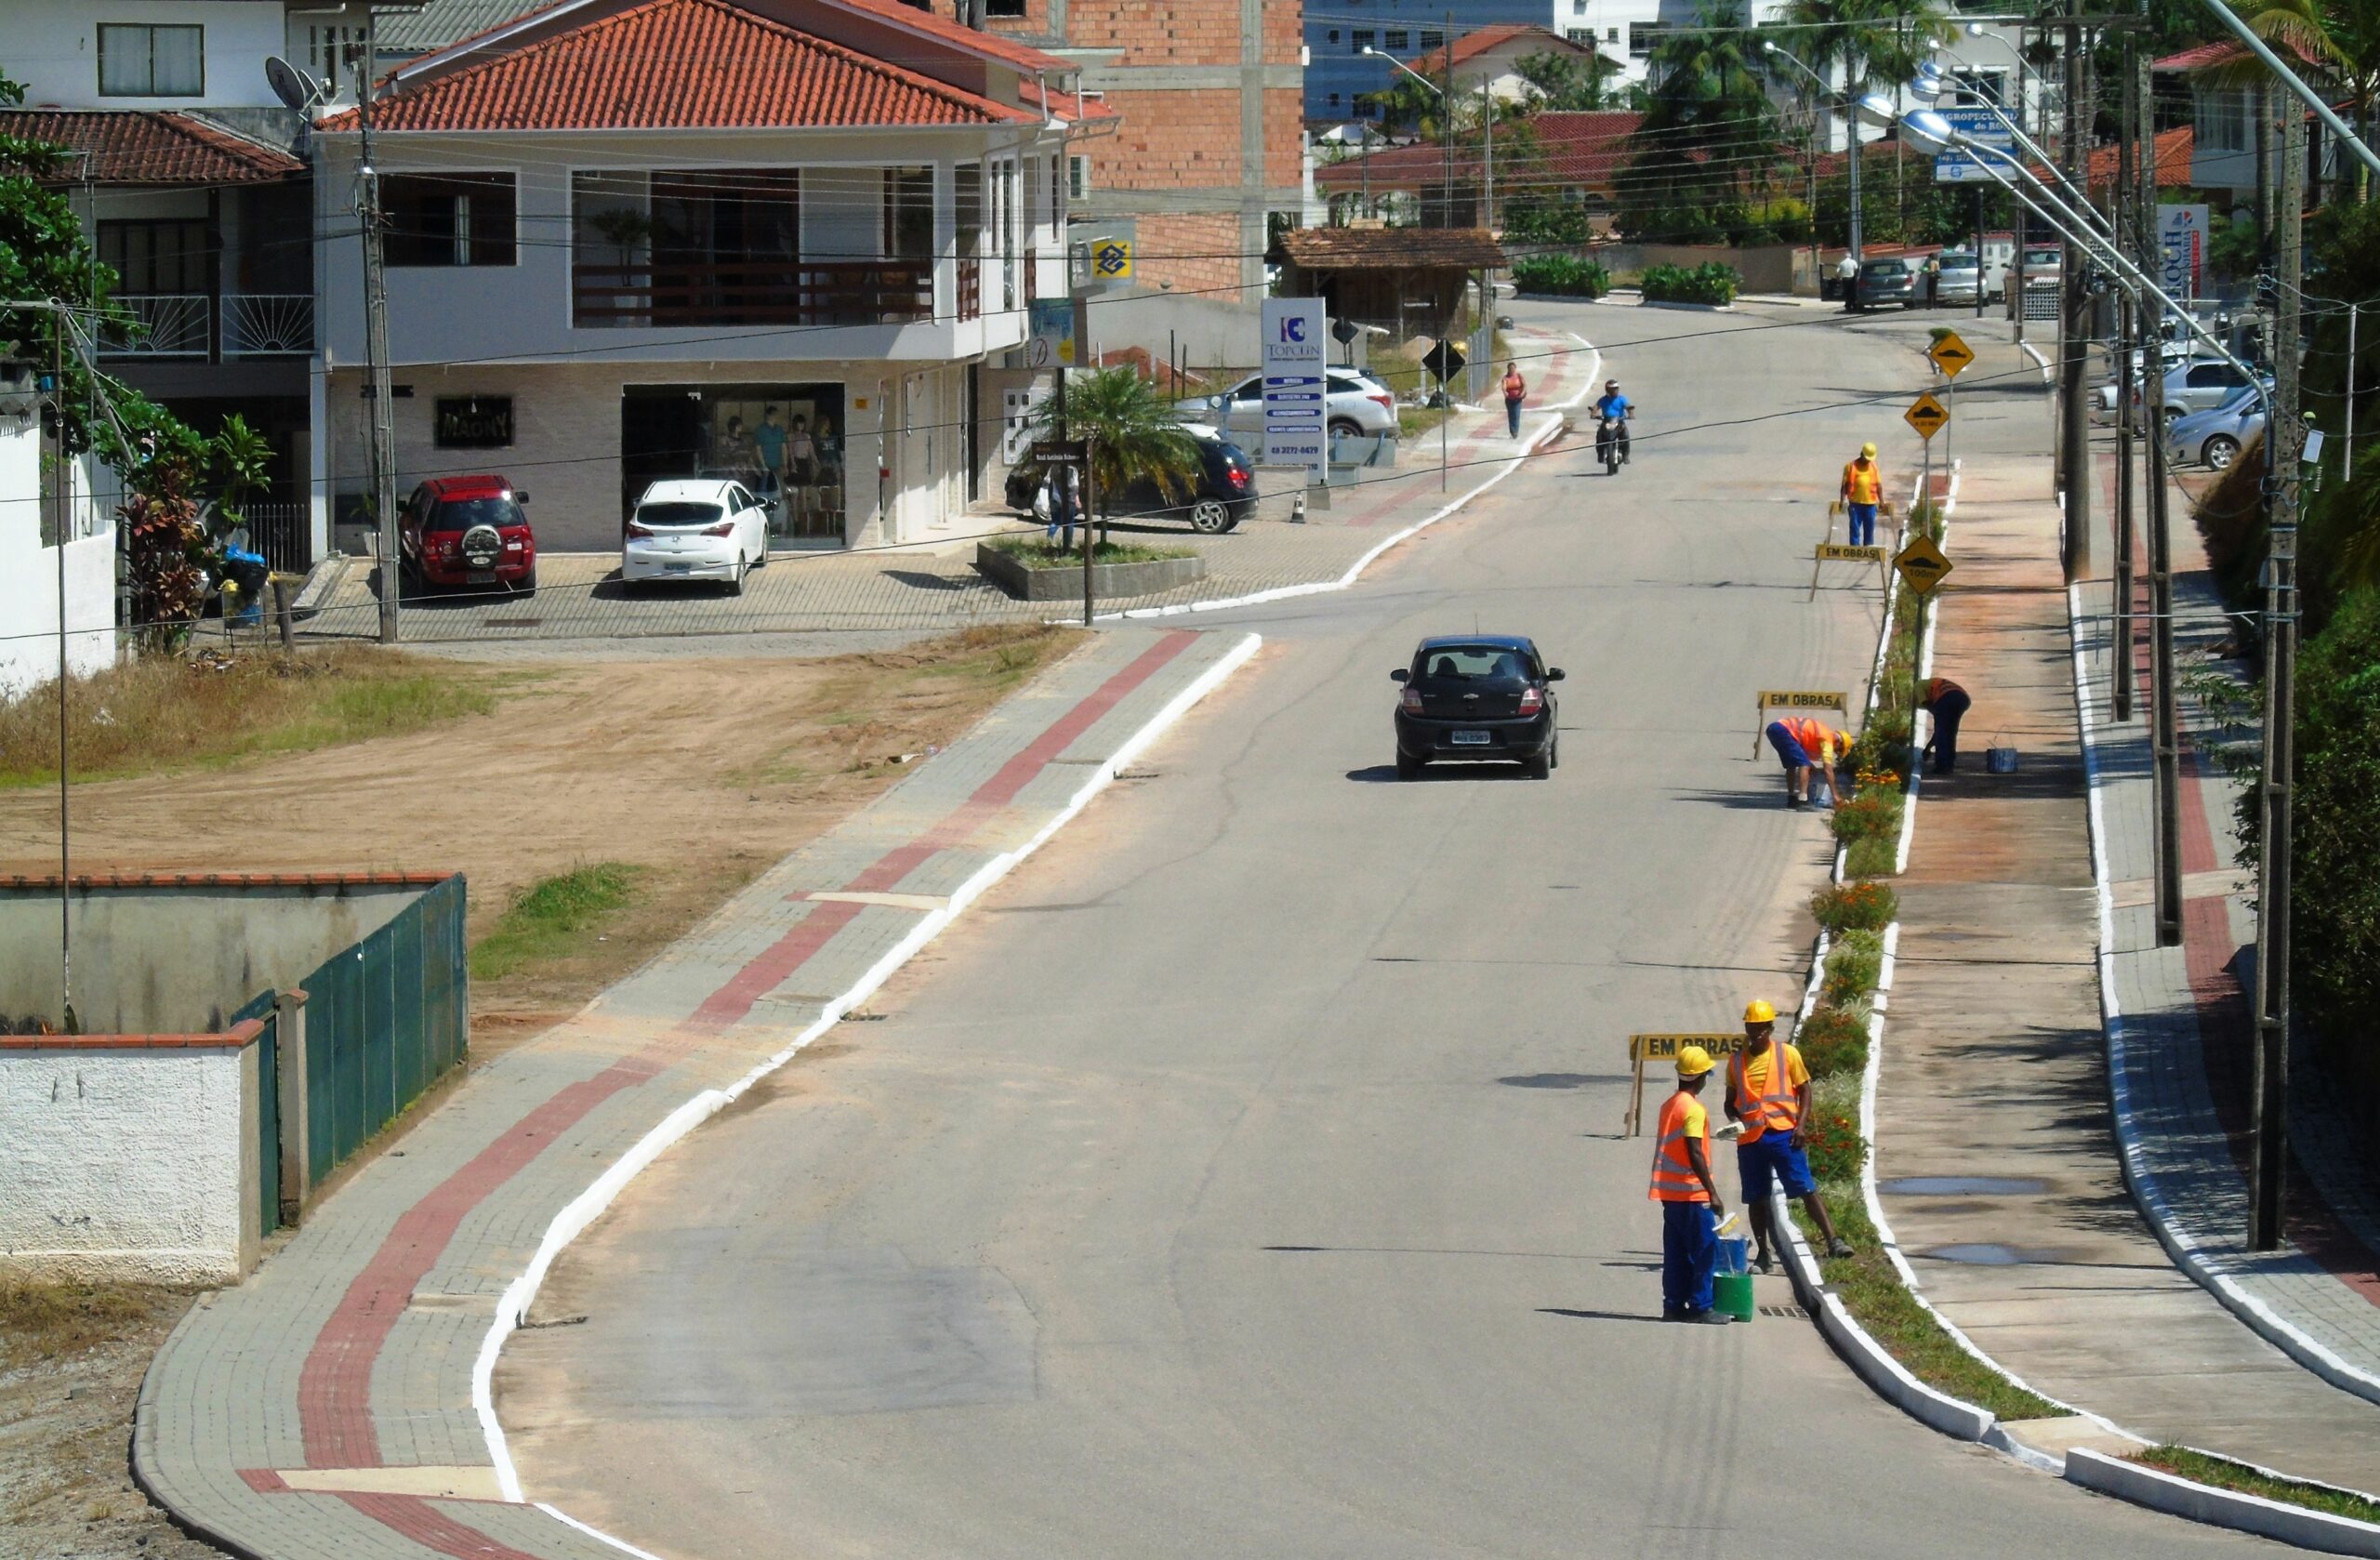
[908, 214]
[1361, 39]
[1399, 40]
[139, 60]
[449, 218]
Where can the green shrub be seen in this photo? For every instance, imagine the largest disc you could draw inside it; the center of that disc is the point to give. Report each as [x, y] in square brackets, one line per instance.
[1842, 906]
[2337, 830]
[1833, 1041]
[1875, 813]
[1708, 283]
[1851, 971]
[1878, 856]
[1830, 1133]
[1563, 275]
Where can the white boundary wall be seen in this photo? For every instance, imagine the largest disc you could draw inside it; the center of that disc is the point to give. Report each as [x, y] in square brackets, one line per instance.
[29, 575]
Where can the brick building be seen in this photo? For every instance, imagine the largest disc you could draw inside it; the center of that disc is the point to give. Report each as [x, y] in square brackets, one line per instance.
[1209, 138]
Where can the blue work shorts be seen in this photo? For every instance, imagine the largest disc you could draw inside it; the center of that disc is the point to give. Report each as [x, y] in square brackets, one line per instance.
[1774, 1158]
[1788, 751]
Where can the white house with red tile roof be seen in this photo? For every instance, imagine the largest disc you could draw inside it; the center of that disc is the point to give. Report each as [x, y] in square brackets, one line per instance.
[1488, 59]
[631, 240]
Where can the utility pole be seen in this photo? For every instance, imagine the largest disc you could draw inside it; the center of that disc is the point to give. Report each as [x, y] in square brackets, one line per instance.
[2269, 1168]
[1445, 132]
[2074, 324]
[381, 438]
[2165, 726]
[2130, 336]
[1851, 129]
[2015, 207]
[62, 509]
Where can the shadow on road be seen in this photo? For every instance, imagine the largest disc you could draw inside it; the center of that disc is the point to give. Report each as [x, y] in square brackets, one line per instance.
[1386, 773]
[1596, 1315]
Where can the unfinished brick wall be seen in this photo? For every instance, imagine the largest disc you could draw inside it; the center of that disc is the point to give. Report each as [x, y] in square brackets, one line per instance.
[1196, 253]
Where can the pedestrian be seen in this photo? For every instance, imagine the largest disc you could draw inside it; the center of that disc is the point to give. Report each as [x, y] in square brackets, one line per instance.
[1063, 495]
[1768, 1091]
[1691, 1206]
[1808, 748]
[769, 440]
[1948, 703]
[1863, 490]
[1846, 276]
[1516, 389]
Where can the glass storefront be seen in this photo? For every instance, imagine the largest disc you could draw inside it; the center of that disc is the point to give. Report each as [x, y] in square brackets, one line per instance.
[784, 442]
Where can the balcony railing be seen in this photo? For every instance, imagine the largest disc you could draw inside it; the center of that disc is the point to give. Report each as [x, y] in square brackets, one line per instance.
[752, 293]
[186, 326]
[971, 289]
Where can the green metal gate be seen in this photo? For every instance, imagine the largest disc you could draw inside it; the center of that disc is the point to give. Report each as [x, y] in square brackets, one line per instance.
[264, 1005]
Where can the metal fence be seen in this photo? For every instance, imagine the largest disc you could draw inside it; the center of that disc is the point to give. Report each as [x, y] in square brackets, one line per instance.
[265, 1006]
[283, 533]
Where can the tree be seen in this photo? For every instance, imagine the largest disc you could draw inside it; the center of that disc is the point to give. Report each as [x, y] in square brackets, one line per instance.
[1559, 84]
[1708, 139]
[1135, 435]
[1405, 106]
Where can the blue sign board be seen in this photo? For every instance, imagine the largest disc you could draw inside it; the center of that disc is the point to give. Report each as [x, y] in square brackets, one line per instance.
[1957, 165]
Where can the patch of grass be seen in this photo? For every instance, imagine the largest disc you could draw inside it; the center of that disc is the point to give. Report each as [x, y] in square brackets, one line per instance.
[554, 917]
[1852, 967]
[159, 714]
[2224, 1474]
[1877, 857]
[47, 1320]
[1874, 813]
[1035, 553]
[1871, 1290]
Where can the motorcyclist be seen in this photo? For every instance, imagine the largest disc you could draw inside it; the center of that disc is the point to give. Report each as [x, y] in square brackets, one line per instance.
[1612, 412]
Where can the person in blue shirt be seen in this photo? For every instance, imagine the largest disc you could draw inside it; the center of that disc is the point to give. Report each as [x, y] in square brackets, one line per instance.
[1613, 409]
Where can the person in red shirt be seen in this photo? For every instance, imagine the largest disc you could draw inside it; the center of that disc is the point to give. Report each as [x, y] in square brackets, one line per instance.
[1516, 390]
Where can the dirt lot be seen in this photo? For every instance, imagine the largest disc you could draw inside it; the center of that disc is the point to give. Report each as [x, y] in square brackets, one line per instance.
[698, 772]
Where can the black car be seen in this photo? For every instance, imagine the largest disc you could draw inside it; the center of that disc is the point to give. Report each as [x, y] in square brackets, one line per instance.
[1218, 497]
[1477, 697]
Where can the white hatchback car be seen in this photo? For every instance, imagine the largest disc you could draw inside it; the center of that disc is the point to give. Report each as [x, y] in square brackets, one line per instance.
[696, 528]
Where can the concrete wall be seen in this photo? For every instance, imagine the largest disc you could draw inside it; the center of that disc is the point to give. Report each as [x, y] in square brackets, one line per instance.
[1768, 269]
[179, 956]
[53, 47]
[29, 571]
[130, 1158]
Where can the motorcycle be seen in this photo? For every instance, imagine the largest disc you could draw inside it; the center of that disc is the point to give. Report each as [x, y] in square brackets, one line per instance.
[1611, 443]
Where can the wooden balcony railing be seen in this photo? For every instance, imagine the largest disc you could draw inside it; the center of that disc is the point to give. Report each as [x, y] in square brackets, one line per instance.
[971, 289]
[752, 293]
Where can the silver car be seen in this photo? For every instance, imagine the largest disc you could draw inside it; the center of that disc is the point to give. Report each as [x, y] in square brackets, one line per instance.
[2214, 438]
[1959, 280]
[1356, 403]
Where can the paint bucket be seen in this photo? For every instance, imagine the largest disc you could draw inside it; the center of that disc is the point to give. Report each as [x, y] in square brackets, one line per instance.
[1998, 759]
[1731, 1292]
[1734, 1254]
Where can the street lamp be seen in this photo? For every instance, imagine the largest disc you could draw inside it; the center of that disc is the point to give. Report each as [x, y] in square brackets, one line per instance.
[1929, 85]
[1770, 47]
[1445, 144]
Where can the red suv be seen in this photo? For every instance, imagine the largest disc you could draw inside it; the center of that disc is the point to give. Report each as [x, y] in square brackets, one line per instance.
[468, 531]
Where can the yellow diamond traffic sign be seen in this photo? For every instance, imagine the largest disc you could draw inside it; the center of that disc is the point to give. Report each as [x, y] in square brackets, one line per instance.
[1111, 259]
[1950, 354]
[1927, 415]
[1922, 565]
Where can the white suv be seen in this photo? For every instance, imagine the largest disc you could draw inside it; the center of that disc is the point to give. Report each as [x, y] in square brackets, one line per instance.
[1357, 405]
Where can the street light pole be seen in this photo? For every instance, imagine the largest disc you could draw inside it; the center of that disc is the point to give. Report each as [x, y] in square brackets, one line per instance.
[2165, 735]
[381, 440]
[2074, 327]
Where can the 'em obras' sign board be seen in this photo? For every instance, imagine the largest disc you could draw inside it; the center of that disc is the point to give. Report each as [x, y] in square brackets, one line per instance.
[1644, 1048]
[1774, 702]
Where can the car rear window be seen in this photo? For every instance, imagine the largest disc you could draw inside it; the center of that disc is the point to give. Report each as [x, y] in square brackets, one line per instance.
[1885, 268]
[461, 514]
[1472, 663]
[677, 513]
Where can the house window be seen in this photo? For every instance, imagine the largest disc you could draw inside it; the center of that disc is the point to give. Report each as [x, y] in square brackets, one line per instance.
[1361, 39]
[1013, 10]
[2222, 121]
[332, 53]
[449, 219]
[158, 256]
[1334, 99]
[1577, 8]
[908, 214]
[1976, 88]
[1399, 40]
[1432, 38]
[1611, 34]
[1333, 37]
[1580, 34]
[1078, 178]
[139, 60]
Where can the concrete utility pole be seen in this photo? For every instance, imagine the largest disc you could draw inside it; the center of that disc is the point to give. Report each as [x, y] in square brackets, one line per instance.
[2074, 322]
[2016, 208]
[380, 439]
[2165, 726]
[63, 508]
[2268, 1166]
[2132, 315]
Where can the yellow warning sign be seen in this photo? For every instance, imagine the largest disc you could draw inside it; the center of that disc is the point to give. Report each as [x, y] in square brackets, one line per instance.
[1950, 354]
[1844, 552]
[1664, 1047]
[1922, 565]
[1789, 698]
[1927, 415]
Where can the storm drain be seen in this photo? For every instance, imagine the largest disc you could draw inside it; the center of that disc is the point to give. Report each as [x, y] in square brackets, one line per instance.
[1786, 1313]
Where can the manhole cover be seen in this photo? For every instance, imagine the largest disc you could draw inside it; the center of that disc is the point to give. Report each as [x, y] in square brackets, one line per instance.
[1961, 1186]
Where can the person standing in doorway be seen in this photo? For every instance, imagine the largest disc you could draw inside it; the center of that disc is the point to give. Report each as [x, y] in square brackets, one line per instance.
[1516, 390]
[1863, 491]
[1691, 1206]
[801, 465]
[1768, 1091]
[1948, 703]
[769, 440]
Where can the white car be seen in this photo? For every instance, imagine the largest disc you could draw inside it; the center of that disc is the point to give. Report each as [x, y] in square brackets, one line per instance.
[696, 528]
[1354, 404]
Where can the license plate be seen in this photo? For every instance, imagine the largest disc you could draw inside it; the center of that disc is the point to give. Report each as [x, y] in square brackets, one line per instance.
[1473, 739]
[679, 568]
[481, 577]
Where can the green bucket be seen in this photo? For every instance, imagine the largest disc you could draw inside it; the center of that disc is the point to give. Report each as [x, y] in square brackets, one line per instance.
[1731, 1292]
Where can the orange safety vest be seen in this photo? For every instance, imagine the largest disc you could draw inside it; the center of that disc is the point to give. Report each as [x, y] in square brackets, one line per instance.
[1673, 1177]
[1863, 484]
[1778, 1108]
[1816, 739]
[1938, 686]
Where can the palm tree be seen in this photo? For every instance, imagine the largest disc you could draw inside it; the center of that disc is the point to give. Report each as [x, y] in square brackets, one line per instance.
[2338, 41]
[1710, 129]
[1868, 41]
[1135, 436]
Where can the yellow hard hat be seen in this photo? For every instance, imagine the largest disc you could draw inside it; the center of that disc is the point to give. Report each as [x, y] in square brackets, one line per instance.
[1759, 1013]
[1867, 450]
[1693, 1062]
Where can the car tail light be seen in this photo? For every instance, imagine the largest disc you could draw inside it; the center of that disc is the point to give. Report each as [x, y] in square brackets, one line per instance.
[1238, 477]
[1387, 403]
[1412, 700]
[636, 530]
[1532, 702]
[725, 528]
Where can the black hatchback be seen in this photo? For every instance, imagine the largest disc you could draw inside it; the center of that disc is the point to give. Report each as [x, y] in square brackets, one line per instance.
[1478, 696]
[1221, 495]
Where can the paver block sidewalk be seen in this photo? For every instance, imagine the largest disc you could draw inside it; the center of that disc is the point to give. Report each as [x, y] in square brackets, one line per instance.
[325, 1408]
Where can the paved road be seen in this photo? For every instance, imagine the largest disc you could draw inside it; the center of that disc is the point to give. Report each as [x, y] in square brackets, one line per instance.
[1242, 1179]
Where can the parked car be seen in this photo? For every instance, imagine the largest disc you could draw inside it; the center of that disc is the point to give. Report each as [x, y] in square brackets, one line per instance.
[1221, 495]
[2043, 263]
[461, 533]
[1477, 697]
[696, 528]
[2214, 437]
[1884, 280]
[1355, 404]
[2200, 385]
[1960, 281]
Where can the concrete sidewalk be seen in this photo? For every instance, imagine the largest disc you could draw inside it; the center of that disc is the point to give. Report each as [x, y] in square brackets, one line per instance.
[1995, 1161]
[931, 586]
[338, 1405]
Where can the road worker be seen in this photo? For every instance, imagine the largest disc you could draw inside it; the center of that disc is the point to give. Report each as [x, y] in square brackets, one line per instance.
[1804, 746]
[1948, 703]
[1863, 492]
[1690, 1204]
[1768, 1091]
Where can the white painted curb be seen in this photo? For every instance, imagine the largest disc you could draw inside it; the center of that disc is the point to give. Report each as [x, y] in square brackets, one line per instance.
[2162, 1491]
[583, 1210]
[2269, 1324]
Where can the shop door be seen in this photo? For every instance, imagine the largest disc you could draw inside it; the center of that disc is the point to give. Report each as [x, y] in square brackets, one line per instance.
[661, 435]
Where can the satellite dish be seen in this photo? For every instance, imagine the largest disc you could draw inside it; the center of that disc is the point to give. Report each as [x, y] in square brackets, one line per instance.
[299, 91]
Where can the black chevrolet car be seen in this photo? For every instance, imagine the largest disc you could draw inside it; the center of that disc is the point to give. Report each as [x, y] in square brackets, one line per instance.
[1477, 697]
[1217, 498]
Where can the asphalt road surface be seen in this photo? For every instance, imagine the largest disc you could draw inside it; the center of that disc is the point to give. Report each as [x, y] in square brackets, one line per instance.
[1242, 1178]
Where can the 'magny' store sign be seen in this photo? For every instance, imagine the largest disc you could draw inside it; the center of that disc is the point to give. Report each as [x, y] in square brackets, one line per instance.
[474, 422]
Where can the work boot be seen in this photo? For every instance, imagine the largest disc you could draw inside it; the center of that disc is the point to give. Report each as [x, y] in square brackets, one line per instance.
[1711, 1318]
[1838, 1247]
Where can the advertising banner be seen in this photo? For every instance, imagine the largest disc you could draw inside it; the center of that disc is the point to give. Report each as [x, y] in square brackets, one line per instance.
[1297, 386]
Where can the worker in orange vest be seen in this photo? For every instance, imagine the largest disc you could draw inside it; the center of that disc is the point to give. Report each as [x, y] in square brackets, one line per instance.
[1863, 491]
[1690, 1203]
[1804, 746]
[1948, 703]
[1768, 1091]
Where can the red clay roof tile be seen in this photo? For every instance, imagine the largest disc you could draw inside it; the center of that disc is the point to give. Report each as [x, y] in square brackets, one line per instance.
[129, 146]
